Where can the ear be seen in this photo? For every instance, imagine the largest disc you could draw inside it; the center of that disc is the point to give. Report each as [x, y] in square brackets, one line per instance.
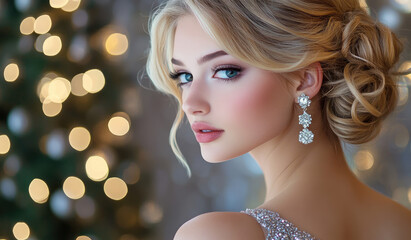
[310, 81]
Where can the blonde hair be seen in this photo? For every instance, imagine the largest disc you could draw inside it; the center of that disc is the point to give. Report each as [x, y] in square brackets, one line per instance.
[356, 53]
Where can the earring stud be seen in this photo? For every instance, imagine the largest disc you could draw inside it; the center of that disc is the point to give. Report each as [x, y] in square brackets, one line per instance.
[306, 136]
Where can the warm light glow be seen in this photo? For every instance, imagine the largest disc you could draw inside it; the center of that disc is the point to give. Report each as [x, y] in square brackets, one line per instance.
[71, 6]
[4, 144]
[11, 72]
[131, 174]
[151, 212]
[58, 3]
[97, 168]
[52, 46]
[83, 238]
[77, 88]
[39, 191]
[21, 231]
[27, 25]
[59, 90]
[74, 188]
[115, 188]
[119, 125]
[364, 160]
[409, 195]
[38, 45]
[93, 80]
[42, 24]
[79, 138]
[116, 44]
[402, 136]
[50, 108]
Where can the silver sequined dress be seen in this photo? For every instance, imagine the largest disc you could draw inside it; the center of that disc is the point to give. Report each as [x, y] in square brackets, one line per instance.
[277, 228]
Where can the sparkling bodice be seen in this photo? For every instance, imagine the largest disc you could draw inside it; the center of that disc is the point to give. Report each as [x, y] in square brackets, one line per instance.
[277, 228]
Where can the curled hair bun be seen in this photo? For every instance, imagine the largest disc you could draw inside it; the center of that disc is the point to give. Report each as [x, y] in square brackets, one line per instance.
[359, 91]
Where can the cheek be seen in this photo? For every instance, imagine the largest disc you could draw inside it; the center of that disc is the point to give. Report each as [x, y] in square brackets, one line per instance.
[266, 102]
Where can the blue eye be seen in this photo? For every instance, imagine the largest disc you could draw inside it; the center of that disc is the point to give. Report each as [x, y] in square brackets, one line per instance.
[183, 78]
[227, 73]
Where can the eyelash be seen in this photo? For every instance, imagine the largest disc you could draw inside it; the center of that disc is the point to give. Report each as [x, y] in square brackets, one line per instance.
[176, 75]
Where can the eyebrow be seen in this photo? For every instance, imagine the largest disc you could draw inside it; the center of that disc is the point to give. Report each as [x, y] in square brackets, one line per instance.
[202, 60]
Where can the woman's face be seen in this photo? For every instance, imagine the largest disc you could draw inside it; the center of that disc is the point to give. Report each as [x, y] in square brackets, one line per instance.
[244, 106]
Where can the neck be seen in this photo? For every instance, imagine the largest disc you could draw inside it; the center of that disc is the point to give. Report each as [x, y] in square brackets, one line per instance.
[285, 161]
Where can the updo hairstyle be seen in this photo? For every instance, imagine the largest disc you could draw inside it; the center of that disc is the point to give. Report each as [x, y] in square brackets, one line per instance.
[357, 54]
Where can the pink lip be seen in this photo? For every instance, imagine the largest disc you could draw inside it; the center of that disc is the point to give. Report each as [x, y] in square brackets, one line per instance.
[206, 137]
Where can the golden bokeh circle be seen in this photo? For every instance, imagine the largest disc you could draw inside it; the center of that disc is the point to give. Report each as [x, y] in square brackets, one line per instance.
[21, 231]
[116, 44]
[39, 191]
[93, 80]
[115, 188]
[364, 160]
[42, 24]
[79, 138]
[97, 168]
[5, 144]
[27, 26]
[11, 72]
[52, 46]
[119, 125]
[74, 188]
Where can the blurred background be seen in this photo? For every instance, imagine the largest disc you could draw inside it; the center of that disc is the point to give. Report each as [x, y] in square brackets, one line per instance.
[84, 148]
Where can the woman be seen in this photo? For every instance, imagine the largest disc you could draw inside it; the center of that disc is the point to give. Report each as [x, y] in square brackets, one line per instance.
[286, 81]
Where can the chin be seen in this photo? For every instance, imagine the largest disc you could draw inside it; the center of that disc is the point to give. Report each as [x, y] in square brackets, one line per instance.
[217, 157]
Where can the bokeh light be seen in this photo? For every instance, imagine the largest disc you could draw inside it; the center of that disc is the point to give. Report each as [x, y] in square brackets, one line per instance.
[71, 6]
[401, 135]
[59, 89]
[85, 207]
[79, 138]
[56, 144]
[151, 213]
[4, 144]
[27, 26]
[39, 191]
[93, 81]
[115, 188]
[11, 72]
[116, 44]
[21, 231]
[131, 173]
[8, 188]
[83, 238]
[403, 5]
[119, 124]
[50, 108]
[42, 24]
[409, 194]
[52, 46]
[61, 205]
[12, 165]
[364, 160]
[38, 45]
[97, 168]
[18, 121]
[74, 188]
[58, 3]
[77, 88]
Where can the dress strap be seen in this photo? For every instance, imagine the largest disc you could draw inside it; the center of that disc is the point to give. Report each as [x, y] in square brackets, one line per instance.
[277, 228]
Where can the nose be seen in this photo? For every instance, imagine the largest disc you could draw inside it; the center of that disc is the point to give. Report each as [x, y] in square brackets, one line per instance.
[195, 99]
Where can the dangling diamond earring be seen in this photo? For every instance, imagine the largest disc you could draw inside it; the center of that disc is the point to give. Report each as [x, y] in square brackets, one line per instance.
[306, 136]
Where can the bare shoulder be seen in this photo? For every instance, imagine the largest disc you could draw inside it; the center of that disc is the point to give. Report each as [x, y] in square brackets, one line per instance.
[392, 219]
[220, 225]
